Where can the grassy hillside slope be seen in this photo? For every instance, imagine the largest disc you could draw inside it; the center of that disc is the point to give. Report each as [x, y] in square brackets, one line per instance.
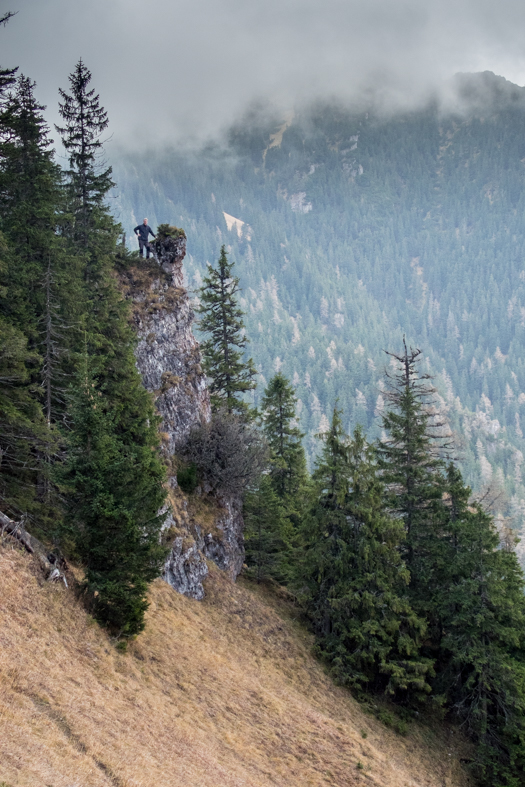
[223, 692]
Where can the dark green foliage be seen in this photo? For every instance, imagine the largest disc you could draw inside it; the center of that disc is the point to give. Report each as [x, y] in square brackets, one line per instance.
[469, 589]
[62, 318]
[481, 605]
[114, 489]
[268, 535]
[275, 508]
[187, 478]
[352, 578]
[29, 199]
[22, 426]
[288, 463]
[85, 120]
[412, 469]
[223, 351]
[168, 231]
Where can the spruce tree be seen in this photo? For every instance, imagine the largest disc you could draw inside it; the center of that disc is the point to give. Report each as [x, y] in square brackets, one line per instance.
[113, 483]
[85, 120]
[322, 529]
[288, 462]
[481, 666]
[274, 510]
[51, 315]
[413, 470]
[231, 375]
[23, 430]
[92, 234]
[354, 581]
[268, 534]
[30, 198]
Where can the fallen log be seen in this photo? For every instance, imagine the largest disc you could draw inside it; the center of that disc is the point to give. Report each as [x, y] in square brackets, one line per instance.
[18, 531]
[33, 546]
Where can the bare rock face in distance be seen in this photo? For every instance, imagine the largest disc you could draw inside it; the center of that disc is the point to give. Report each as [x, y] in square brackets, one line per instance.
[169, 360]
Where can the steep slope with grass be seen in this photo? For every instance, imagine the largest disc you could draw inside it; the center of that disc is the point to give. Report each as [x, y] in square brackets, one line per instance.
[219, 692]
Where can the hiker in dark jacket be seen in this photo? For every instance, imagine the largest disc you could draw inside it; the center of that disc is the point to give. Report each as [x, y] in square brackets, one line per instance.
[142, 231]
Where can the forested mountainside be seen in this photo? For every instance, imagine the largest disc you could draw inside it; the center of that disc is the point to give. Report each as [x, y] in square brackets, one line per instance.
[350, 229]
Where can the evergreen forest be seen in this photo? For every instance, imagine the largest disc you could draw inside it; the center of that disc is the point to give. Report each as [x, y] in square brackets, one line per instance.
[350, 229]
[316, 245]
[78, 431]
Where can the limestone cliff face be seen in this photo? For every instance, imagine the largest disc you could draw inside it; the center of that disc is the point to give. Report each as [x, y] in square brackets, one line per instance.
[167, 353]
[169, 360]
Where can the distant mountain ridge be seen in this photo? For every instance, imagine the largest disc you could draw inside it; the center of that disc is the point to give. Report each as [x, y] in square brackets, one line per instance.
[485, 90]
[363, 228]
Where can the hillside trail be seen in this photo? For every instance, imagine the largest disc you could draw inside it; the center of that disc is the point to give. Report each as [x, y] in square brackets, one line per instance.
[219, 693]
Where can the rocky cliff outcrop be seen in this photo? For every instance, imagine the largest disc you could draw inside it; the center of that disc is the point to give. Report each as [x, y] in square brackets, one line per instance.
[169, 360]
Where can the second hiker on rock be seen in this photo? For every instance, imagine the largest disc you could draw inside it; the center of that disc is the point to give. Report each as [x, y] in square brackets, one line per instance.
[142, 231]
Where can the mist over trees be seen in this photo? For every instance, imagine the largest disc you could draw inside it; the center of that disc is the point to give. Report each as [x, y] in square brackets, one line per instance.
[358, 228]
[407, 583]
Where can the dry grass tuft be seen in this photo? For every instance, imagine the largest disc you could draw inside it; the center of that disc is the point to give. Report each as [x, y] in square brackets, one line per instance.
[221, 693]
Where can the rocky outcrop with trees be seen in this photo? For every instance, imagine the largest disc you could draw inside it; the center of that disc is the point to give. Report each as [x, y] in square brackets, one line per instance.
[169, 360]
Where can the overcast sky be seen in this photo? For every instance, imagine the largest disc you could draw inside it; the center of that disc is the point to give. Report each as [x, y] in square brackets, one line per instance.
[171, 68]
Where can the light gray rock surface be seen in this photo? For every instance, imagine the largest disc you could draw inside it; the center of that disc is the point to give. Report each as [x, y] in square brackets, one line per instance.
[167, 353]
[169, 360]
[185, 568]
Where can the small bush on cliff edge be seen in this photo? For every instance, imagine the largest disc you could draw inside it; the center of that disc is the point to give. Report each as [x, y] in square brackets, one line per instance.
[169, 231]
[228, 453]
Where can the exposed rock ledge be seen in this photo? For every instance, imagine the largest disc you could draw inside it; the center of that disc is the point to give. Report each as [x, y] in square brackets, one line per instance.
[169, 360]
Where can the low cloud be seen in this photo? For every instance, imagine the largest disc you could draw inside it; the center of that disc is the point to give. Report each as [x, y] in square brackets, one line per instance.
[169, 70]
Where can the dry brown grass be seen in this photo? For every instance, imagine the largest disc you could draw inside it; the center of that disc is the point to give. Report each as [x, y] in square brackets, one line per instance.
[221, 693]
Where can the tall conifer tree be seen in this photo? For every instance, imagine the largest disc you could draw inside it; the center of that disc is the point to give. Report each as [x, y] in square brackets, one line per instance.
[268, 534]
[114, 473]
[30, 198]
[354, 580]
[230, 373]
[85, 120]
[288, 462]
[481, 606]
[413, 470]
[22, 426]
[113, 483]
[274, 510]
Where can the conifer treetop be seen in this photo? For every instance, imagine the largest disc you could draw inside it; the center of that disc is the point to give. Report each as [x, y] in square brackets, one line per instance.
[85, 120]
[7, 75]
[414, 417]
[223, 352]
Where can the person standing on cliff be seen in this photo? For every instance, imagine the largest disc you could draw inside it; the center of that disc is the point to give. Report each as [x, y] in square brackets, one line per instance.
[142, 231]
